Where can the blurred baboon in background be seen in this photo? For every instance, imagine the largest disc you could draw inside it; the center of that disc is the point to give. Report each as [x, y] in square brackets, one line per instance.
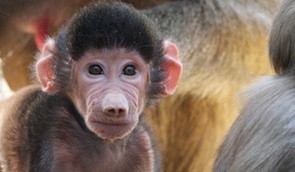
[222, 45]
[262, 137]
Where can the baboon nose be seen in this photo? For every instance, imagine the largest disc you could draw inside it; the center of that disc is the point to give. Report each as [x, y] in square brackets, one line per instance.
[115, 105]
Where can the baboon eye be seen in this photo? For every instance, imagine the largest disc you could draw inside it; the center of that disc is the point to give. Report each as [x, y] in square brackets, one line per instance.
[95, 70]
[129, 70]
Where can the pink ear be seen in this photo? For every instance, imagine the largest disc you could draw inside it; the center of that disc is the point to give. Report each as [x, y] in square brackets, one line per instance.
[173, 68]
[44, 67]
[41, 29]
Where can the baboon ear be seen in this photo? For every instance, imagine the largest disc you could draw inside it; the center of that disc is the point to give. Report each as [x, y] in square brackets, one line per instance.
[41, 26]
[173, 68]
[44, 66]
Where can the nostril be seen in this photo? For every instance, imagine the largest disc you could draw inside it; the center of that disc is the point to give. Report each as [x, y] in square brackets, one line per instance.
[121, 111]
[115, 112]
[111, 110]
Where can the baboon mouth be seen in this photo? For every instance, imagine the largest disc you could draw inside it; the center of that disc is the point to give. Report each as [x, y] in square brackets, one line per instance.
[119, 124]
[112, 130]
[114, 127]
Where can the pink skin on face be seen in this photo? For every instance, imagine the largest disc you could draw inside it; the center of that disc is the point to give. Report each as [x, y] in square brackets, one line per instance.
[109, 99]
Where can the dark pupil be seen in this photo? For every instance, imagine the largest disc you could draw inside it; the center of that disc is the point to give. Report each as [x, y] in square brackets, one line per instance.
[129, 70]
[95, 70]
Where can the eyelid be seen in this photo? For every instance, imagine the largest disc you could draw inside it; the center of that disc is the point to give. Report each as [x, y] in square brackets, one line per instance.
[95, 63]
[131, 64]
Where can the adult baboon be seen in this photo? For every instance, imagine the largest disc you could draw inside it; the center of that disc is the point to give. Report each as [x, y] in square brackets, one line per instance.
[262, 137]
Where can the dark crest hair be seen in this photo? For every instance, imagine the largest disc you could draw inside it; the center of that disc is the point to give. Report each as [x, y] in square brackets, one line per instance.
[109, 25]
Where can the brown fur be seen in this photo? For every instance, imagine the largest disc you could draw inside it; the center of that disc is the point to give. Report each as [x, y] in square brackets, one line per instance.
[8, 119]
[223, 45]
